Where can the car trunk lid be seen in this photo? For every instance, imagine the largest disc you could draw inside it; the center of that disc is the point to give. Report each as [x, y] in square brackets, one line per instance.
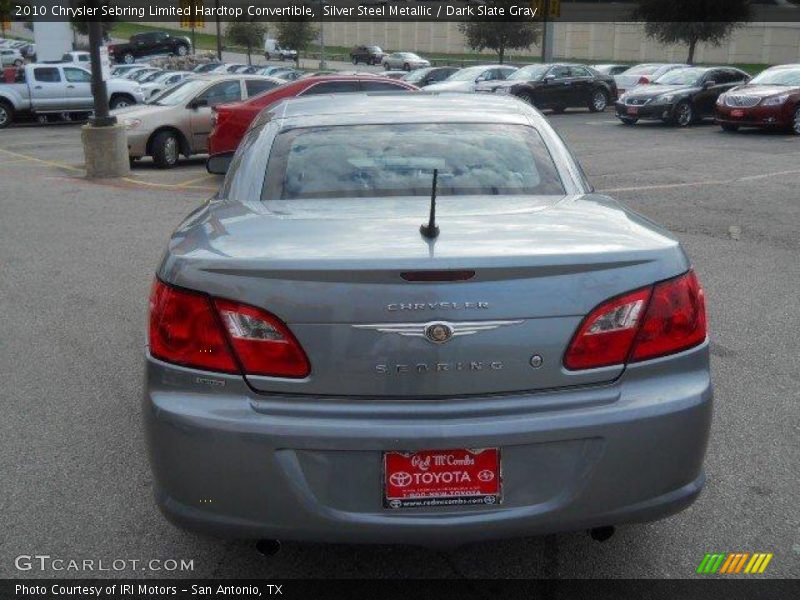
[345, 278]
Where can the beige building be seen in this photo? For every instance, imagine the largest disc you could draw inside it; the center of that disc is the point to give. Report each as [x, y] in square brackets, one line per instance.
[768, 43]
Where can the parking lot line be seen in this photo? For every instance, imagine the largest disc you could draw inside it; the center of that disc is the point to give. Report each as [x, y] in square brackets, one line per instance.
[40, 160]
[171, 186]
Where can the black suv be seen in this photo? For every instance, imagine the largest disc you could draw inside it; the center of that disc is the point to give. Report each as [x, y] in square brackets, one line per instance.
[149, 44]
[370, 55]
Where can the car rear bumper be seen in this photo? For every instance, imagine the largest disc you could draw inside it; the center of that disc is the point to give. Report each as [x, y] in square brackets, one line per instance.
[233, 463]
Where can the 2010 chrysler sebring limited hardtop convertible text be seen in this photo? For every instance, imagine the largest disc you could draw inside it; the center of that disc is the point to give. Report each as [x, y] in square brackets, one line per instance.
[329, 360]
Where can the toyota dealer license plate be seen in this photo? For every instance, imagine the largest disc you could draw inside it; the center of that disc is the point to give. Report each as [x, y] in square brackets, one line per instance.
[633, 110]
[737, 113]
[441, 478]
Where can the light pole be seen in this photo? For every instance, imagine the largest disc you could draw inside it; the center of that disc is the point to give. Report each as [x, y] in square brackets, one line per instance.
[105, 143]
[322, 62]
[219, 32]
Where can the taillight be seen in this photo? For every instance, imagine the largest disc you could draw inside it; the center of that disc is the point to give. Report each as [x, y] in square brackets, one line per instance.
[264, 345]
[663, 319]
[185, 330]
[675, 321]
[643, 80]
[193, 330]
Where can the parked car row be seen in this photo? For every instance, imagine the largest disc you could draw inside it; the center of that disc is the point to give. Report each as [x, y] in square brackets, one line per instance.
[684, 96]
[16, 52]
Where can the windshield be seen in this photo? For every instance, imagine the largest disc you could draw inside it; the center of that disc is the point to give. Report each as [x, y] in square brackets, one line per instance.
[681, 77]
[417, 75]
[469, 74]
[530, 73]
[152, 77]
[642, 70]
[183, 92]
[790, 77]
[372, 161]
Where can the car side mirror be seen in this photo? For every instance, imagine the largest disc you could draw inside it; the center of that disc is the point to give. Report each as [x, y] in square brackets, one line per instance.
[549, 78]
[709, 84]
[218, 164]
[480, 78]
[198, 102]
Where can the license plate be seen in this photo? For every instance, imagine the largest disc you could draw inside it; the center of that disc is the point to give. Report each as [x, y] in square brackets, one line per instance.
[737, 113]
[457, 477]
[633, 110]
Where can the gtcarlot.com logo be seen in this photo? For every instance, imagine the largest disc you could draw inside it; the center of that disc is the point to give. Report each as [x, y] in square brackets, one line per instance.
[45, 562]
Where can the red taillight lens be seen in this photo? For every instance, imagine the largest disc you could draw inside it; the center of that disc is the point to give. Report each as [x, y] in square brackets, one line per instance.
[194, 330]
[264, 345]
[184, 330]
[676, 319]
[605, 336]
[643, 80]
[669, 317]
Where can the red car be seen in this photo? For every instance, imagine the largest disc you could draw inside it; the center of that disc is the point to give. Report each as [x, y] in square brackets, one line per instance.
[232, 120]
[771, 99]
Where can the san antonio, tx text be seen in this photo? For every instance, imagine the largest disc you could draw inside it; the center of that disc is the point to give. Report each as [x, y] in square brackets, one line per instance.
[172, 11]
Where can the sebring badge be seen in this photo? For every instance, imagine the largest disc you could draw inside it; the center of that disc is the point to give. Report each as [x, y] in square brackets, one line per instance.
[437, 332]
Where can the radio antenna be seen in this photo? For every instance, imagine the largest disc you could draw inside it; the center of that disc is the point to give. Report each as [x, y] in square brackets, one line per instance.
[430, 230]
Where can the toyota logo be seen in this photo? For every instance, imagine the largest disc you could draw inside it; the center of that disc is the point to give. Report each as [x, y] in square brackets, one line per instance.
[439, 333]
[485, 475]
[400, 479]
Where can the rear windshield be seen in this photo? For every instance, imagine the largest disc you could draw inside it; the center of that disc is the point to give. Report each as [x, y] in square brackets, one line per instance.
[357, 161]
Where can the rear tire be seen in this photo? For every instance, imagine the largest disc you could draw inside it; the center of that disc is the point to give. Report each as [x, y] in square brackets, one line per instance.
[406, 67]
[166, 150]
[559, 109]
[120, 101]
[18, 63]
[729, 127]
[599, 101]
[628, 121]
[385, 66]
[128, 58]
[355, 60]
[527, 97]
[6, 114]
[181, 50]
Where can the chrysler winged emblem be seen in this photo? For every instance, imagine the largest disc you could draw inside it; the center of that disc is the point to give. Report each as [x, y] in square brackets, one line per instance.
[437, 332]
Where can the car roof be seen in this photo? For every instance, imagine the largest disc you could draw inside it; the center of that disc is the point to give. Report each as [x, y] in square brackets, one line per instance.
[406, 107]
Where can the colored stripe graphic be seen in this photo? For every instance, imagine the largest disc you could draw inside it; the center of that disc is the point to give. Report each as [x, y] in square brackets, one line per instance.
[733, 563]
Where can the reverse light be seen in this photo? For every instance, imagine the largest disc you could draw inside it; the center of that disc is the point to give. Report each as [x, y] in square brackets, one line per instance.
[194, 330]
[262, 342]
[663, 319]
[643, 80]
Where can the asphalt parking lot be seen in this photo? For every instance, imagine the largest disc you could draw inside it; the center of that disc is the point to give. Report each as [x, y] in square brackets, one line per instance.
[77, 260]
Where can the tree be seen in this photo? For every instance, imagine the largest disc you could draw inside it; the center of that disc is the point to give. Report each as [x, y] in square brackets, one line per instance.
[81, 24]
[692, 21]
[6, 10]
[499, 33]
[246, 33]
[296, 34]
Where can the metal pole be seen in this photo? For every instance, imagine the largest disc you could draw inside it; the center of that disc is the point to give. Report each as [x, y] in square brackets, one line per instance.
[545, 18]
[322, 63]
[101, 118]
[219, 33]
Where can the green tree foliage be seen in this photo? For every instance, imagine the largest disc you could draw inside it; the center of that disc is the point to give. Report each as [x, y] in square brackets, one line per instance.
[296, 34]
[6, 11]
[500, 33]
[690, 22]
[249, 34]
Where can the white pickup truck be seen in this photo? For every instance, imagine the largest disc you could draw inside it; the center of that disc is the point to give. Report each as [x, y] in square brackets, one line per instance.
[59, 88]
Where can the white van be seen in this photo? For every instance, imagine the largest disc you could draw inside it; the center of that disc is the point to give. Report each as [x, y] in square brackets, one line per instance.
[273, 50]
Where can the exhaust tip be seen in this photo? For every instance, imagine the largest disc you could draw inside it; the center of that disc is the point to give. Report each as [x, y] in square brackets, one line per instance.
[601, 534]
[268, 547]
